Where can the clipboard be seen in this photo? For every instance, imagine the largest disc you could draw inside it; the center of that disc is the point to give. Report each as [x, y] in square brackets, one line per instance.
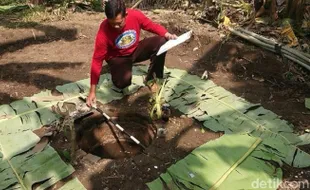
[172, 43]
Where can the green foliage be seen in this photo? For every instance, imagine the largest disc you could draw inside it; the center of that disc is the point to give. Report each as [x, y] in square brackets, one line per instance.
[8, 9]
[221, 110]
[232, 160]
[97, 5]
[46, 10]
[307, 103]
[57, 2]
[11, 2]
[73, 184]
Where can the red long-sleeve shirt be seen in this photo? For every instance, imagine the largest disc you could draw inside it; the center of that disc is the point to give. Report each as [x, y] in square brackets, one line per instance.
[111, 42]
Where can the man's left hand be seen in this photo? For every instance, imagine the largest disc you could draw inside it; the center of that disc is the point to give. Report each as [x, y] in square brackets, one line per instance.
[170, 36]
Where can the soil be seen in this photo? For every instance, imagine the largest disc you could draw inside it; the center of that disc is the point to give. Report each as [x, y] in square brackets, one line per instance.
[102, 138]
[39, 56]
[180, 136]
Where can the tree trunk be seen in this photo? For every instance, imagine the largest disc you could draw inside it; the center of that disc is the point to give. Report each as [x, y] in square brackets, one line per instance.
[296, 9]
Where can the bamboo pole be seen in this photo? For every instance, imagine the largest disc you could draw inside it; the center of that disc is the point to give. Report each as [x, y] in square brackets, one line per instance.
[136, 4]
[252, 39]
[298, 61]
[304, 56]
[290, 53]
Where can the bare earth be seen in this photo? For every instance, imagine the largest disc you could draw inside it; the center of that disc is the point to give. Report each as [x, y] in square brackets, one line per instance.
[44, 55]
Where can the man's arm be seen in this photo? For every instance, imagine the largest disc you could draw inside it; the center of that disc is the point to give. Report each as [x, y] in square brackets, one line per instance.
[99, 56]
[148, 25]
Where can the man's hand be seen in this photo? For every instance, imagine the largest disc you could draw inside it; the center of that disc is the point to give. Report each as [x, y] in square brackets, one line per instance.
[91, 99]
[170, 36]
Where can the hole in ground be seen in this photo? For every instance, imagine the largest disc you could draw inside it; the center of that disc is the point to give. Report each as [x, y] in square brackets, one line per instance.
[96, 136]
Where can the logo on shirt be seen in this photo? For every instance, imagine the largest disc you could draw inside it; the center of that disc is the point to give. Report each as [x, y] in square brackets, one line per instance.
[126, 39]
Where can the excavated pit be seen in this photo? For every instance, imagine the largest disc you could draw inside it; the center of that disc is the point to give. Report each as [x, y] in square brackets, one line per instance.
[94, 135]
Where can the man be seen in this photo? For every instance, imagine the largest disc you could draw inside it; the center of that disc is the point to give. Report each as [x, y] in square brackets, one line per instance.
[261, 6]
[117, 42]
[272, 7]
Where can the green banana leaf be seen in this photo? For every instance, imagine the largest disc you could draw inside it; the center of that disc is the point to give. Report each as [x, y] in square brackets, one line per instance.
[229, 162]
[73, 184]
[24, 170]
[307, 103]
[220, 110]
[305, 139]
[20, 167]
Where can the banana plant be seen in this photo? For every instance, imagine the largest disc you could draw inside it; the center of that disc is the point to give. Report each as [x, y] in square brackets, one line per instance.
[157, 100]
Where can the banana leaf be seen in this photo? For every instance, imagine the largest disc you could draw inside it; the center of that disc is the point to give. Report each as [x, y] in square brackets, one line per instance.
[25, 170]
[220, 110]
[73, 184]
[307, 103]
[229, 162]
[21, 168]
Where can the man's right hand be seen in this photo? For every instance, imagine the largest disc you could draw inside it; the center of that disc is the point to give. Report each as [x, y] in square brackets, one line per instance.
[169, 36]
[91, 99]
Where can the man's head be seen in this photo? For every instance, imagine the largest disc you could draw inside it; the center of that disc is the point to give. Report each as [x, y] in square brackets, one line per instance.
[115, 11]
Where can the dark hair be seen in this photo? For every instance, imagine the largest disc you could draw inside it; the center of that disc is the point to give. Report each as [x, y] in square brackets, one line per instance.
[114, 7]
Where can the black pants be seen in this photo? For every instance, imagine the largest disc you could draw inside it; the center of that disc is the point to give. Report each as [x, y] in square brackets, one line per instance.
[121, 67]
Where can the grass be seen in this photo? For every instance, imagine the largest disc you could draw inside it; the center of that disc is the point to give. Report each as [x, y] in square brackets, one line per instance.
[11, 2]
[46, 14]
[50, 11]
[19, 15]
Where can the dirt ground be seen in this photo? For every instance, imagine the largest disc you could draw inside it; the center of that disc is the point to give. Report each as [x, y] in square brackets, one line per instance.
[38, 56]
[180, 136]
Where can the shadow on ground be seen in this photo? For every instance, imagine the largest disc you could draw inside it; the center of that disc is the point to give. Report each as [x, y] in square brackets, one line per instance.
[38, 74]
[51, 33]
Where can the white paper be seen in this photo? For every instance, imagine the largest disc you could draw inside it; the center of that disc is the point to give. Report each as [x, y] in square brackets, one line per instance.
[172, 43]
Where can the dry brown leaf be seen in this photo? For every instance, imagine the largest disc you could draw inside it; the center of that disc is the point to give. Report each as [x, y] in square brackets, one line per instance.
[44, 131]
[40, 145]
